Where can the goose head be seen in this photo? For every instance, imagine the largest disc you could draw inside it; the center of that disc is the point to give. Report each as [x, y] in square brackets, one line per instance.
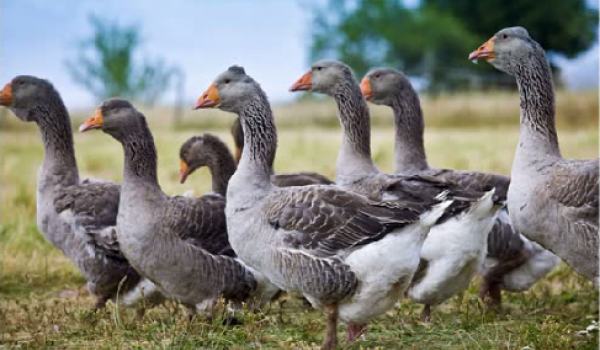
[25, 94]
[230, 91]
[509, 50]
[380, 85]
[117, 118]
[197, 152]
[324, 77]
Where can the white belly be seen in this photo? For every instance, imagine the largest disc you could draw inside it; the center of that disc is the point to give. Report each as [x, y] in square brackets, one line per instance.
[454, 250]
[384, 269]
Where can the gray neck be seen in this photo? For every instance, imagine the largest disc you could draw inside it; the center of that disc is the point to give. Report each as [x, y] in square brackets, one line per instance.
[140, 158]
[237, 132]
[409, 151]
[537, 134]
[260, 140]
[57, 137]
[354, 158]
[222, 167]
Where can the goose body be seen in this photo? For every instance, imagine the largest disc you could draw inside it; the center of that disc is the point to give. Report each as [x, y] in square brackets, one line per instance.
[551, 200]
[443, 271]
[77, 216]
[179, 243]
[509, 254]
[351, 256]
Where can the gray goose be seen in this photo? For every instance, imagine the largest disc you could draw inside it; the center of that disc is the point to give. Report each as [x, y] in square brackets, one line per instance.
[551, 200]
[281, 180]
[179, 243]
[208, 150]
[77, 216]
[448, 265]
[347, 254]
[513, 262]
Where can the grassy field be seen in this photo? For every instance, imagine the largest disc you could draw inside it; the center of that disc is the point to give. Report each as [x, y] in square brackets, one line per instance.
[44, 305]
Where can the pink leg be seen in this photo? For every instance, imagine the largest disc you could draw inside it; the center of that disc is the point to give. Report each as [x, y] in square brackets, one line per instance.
[354, 331]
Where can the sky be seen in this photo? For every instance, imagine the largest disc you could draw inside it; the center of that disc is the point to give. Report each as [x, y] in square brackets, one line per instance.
[269, 38]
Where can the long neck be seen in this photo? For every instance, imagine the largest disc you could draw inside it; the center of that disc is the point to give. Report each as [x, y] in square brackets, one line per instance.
[237, 132]
[260, 140]
[140, 158]
[354, 158]
[222, 166]
[537, 135]
[409, 152]
[57, 137]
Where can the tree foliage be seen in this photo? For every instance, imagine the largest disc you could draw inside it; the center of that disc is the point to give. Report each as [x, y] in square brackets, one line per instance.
[566, 27]
[108, 64]
[433, 40]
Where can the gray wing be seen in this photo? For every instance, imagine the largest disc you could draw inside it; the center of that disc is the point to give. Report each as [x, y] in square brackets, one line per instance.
[300, 179]
[421, 188]
[94, 207]
[200, 222]
[474, 180]
[322, 222]
[504, 243]
[574, 187]
[325, 221]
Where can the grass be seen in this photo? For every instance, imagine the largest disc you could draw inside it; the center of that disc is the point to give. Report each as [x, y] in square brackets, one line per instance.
[44, 305]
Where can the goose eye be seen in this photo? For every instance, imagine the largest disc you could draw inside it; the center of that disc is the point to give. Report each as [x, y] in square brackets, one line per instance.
[226, 81]
[504, 36]
[319, 68]
[377, 75]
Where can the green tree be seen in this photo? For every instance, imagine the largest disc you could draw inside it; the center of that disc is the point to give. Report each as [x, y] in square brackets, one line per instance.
[430, 41]
[108, 64]
[566, 27]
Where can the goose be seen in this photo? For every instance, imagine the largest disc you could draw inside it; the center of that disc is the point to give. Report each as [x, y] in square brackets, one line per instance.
[348, 255]
[448, 264]
[513, 263]
[77, 216]
[281, 180]
[179, 243]
[551, 200]
[208, 150]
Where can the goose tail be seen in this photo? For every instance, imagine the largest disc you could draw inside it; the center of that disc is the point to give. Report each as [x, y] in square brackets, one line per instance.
[430, 217]
[486, 205]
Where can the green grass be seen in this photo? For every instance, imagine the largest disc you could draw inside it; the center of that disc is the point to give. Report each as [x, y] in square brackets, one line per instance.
[44, 305]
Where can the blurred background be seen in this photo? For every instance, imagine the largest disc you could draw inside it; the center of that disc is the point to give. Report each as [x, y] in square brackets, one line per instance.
[166, 54]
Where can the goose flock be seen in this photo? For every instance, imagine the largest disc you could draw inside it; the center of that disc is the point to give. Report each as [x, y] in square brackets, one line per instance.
[353, 248]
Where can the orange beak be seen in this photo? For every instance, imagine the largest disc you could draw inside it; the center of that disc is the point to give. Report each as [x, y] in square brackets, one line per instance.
[304, 83]
[365, 88]
[485, 51]
[210, 98]
[184, 171]
[95, 122]
[6, 96]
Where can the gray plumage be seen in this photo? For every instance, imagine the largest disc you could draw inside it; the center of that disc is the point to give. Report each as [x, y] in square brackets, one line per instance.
[551, 200]
[77, 217]
[177, 242]
[390, 87]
